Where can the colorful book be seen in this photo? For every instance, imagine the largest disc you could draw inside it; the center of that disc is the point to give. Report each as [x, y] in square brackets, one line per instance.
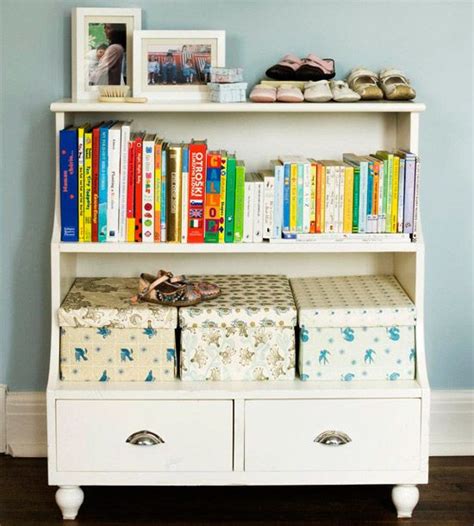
[173, 196]
[80, 179]
[138, 187]
[103, 180]
[306, 225]
[249, 208]
[286, 197]
[293, 197]
[184, 194]
[164, 179]
[348, 198]
[131, 190]
[88, 185]
[320, 197]
[356, 200]
[330, 197]
[394, 209]
[239, 201]
[148, 189]
[123, 181]
[230, 199]
[259, 188]
[401, 195]
[95, 183]
[409, 193]
[388, 187]
[363, 165]
[278, 170]
[222, 215]
[268, 202]
[212, 198]
[157, 192]
[68, 184]
[340, 198]
[197, 182]
[113, 175]
[313, 185]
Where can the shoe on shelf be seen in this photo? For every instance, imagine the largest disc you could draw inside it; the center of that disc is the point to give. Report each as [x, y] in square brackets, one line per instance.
[289, 94]
[342, 93]
[162, 291]
[396, 85]
[285, 69]
[315, 68]
[364, 82]
[262, 93]
[317, 91]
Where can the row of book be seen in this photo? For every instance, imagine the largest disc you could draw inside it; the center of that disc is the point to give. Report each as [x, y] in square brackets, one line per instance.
[121, 186]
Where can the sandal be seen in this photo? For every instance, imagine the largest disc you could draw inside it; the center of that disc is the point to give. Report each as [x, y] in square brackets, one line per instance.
[317, 91]
[289, 94]
[396, 85]
[263, 94]
[163, 292]
[315, 68]
[285, 69]
[342, 93]
[207, 290]
[364, 82]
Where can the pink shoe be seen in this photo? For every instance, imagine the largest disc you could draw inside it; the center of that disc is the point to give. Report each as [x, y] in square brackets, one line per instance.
[315, 68]
[262, 93]
[289, 94]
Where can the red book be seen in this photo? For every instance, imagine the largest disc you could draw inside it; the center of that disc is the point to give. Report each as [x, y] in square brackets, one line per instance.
[130, 236]
[138, 188]
[95, 183]
[197, 193]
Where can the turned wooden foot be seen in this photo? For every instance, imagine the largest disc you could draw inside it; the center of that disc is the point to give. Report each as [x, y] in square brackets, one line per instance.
[69, 500]
[405, 498]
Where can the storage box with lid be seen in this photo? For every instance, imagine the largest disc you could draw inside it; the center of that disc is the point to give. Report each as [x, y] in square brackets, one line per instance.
[355, 328]
[106, 338]
[247, 333]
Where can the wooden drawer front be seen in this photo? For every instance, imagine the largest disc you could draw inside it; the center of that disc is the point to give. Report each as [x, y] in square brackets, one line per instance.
[92, 434]
[280, 434]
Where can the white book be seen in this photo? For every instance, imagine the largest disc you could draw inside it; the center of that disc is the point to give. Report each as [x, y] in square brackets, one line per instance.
[340, 198]
[184, 194]
[345, 238]
[372, 221]
[123, 182]
[381, 215]
[330, 208]
[268, 202]
[113, 182]
[148, 189]
[258, 209]
[249, 207]
[401, 195]
[306, 197]
[278, 169]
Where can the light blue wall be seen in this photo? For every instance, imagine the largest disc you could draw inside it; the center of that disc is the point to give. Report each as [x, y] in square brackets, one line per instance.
[431, 41]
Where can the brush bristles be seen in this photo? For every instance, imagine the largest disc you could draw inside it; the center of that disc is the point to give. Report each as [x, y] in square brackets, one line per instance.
[113, 91]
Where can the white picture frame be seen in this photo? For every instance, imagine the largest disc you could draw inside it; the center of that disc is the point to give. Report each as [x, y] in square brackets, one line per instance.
[179, 74]
[85, 64]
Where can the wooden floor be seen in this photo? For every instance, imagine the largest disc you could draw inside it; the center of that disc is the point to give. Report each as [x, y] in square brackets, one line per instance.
[26, 500]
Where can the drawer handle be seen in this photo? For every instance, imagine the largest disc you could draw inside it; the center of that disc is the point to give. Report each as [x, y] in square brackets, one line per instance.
[333, 438]
[144, 438]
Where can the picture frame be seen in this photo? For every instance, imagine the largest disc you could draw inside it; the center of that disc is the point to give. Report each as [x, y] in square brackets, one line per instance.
[102, 49]
[175, 65]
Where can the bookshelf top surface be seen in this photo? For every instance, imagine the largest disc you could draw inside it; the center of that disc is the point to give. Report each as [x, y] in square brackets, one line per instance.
[66, 105]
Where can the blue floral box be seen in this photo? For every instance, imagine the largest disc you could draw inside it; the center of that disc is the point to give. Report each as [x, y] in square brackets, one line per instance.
[247, 333]
[106, 338]
[355, 328]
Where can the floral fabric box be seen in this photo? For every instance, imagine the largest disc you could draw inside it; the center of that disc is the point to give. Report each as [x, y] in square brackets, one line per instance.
[355, 328]
[106, 338]
[247, 333]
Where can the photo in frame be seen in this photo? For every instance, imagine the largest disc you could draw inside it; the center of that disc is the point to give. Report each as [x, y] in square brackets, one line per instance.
[102, 49]
[176, 65]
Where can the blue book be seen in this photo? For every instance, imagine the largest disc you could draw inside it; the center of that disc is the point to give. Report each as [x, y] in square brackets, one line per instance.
[300, 198]
[278, 200]
[370, 187]
[163, 193]
[103, 180]
[68, 184]
[286, 196]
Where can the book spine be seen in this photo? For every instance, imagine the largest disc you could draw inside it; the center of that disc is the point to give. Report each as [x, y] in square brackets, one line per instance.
[148, 188]
[415, 202]
[278, 204]
[388, 211]
[123, 183]
[184, 194]
[300, 197]
[157, 207]
[113, 184]
[375, 196]
[353, 238]
[356, 200]
[164, 178]
[306, 197]
[320, 194]
[340, 215]
[212, 199]
[173, 198]
[330, 207]
[312, 210]
[95, 185]
[394, 213]
[293, 196]
[363, 197]
[230, 201]
[286, 197]
[249, 209]
[239, 203]
[138, 189]
[409, 204]
[88, 186]
[68, 185]
[401, 195]
[258, 215]
[268, 205]
[80, 180]
[197, 182]
[222, 199]
[381, 215]
[131, 192]
[103, 183]
[348, 199]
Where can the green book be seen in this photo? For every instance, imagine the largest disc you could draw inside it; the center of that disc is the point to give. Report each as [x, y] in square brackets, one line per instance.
[239, 202]
[387, 185]
[356, 200]
[230, 199]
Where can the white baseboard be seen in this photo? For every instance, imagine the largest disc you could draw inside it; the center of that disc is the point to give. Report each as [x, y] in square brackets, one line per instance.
[24, 418]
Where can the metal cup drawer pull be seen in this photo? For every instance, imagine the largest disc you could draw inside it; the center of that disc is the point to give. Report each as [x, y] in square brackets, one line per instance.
[144, 438]
[333, 438]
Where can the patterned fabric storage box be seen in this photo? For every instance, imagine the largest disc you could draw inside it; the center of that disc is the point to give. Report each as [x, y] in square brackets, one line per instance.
[245, 334]
[355, 328]
[106, 338]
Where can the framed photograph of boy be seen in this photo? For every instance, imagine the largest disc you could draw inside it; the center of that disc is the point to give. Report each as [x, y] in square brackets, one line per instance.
[102, 42]
[176, 65]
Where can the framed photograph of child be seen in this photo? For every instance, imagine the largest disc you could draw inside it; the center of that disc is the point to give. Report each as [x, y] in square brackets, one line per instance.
[102, 43]
[175, 65]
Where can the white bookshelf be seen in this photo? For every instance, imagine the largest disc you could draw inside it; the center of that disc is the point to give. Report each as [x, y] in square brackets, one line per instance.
[258, 133]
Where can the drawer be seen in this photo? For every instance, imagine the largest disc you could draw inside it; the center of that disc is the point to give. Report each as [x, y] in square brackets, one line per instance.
[280, 435]
[194, 435]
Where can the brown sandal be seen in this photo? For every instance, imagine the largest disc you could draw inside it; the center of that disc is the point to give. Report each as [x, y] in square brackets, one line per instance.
[163, 291]
[207, 290]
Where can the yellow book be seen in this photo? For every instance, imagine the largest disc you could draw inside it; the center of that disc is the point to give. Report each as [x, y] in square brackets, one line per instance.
[312, 212]
[394, 209]
[348, 198]
[88, 185]
[223, 192]
[293, 196]
[80, 181]
[323, 198]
